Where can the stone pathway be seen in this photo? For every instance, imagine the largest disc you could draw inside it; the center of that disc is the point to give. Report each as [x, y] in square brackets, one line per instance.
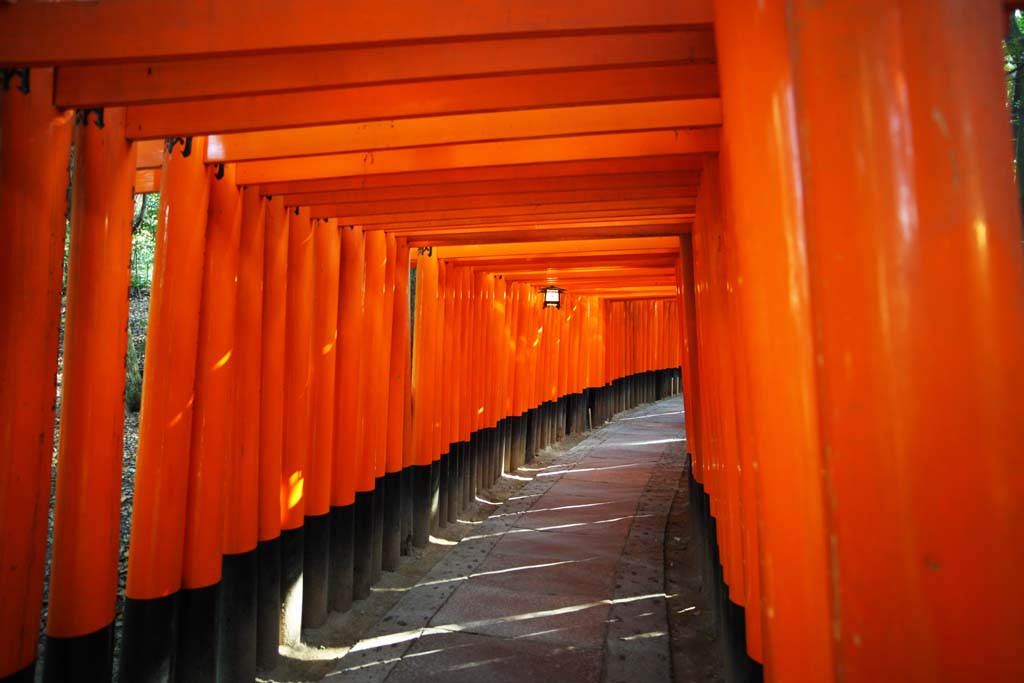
[564, 582]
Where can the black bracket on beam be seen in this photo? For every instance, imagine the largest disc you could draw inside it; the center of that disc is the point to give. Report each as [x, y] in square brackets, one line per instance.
[6, 75]
[82, 117]
[186, 142]
[220, 171]
[429, 251]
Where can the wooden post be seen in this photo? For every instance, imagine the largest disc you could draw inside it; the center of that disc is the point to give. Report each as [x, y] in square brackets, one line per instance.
[214, 389]
[297, 419]
[156, 551]
[237, 616]
[917, 288]
[272, 363]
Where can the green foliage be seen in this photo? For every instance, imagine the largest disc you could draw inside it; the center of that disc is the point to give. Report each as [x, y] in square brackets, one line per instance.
[1013, 50]
[133, 380]
[144, 240]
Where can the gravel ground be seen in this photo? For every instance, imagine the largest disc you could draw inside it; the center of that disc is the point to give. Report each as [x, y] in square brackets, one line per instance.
[138, 313]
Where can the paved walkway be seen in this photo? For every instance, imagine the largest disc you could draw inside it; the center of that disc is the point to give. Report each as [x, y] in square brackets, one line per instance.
[564, 582]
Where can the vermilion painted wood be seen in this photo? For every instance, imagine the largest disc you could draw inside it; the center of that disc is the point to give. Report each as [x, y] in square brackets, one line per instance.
[241, 479]
[46, 34]
[570, 148]
[919, 370]
[275, 282]
[83, 570]
[165, 427]
[553, 170]
[775, 306]
[298, 369]
[398, 364]
[213, 405]
[348, 393]
[433, 98]
[327, 257]
[150, 81]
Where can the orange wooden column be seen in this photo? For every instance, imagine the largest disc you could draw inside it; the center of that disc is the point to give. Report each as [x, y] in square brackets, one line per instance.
[372, 439]
[447, 358]
[214, 391]
[33, 187]
[83, 573]
[917, 284]
[297, 417]
[156, 552]
[237, 616]
[380, 465]
[348, 406]
[398, 399]
[423, 378]
[744, 438]
[317, 524]
[272, 374]
[775, 307]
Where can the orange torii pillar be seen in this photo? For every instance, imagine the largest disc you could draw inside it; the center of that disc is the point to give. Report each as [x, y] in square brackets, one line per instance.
[398, 400]
[83, 573]
[196, 655]
[297, 418]
[348, 406]
[380, 294]
[735, 555]
[237, 616]
[272, 378]
[371, 439]
[156, 551]
[462, 392]
[453, 395]
[917, 288]
[317, 490]
[775, 307]
[519, 361]
[423, 376]
[446, 278]
[437, 412]
[33, 200]
[362, 541]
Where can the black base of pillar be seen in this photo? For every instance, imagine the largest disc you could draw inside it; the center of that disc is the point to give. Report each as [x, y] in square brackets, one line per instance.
[377, 556]
[443, 489]
[149, 634]
[236, 654]
[420, 505]
[268, 603]
[392, 547]
[406, 510]
[339, 572]
[81, 658]
[362, 545]
[315, 558]
[473, 469]
[454, 482]
[292, 548]
[26, 675]
[435, 494]
[195, 660]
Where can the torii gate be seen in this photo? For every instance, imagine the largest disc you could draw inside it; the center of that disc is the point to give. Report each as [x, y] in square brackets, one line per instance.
[807, 207]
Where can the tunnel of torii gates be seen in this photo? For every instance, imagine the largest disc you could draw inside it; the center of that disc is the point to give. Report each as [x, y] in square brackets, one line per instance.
[800, 213]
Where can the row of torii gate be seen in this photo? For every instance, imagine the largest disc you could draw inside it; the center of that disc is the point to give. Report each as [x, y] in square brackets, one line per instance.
[803, 213]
